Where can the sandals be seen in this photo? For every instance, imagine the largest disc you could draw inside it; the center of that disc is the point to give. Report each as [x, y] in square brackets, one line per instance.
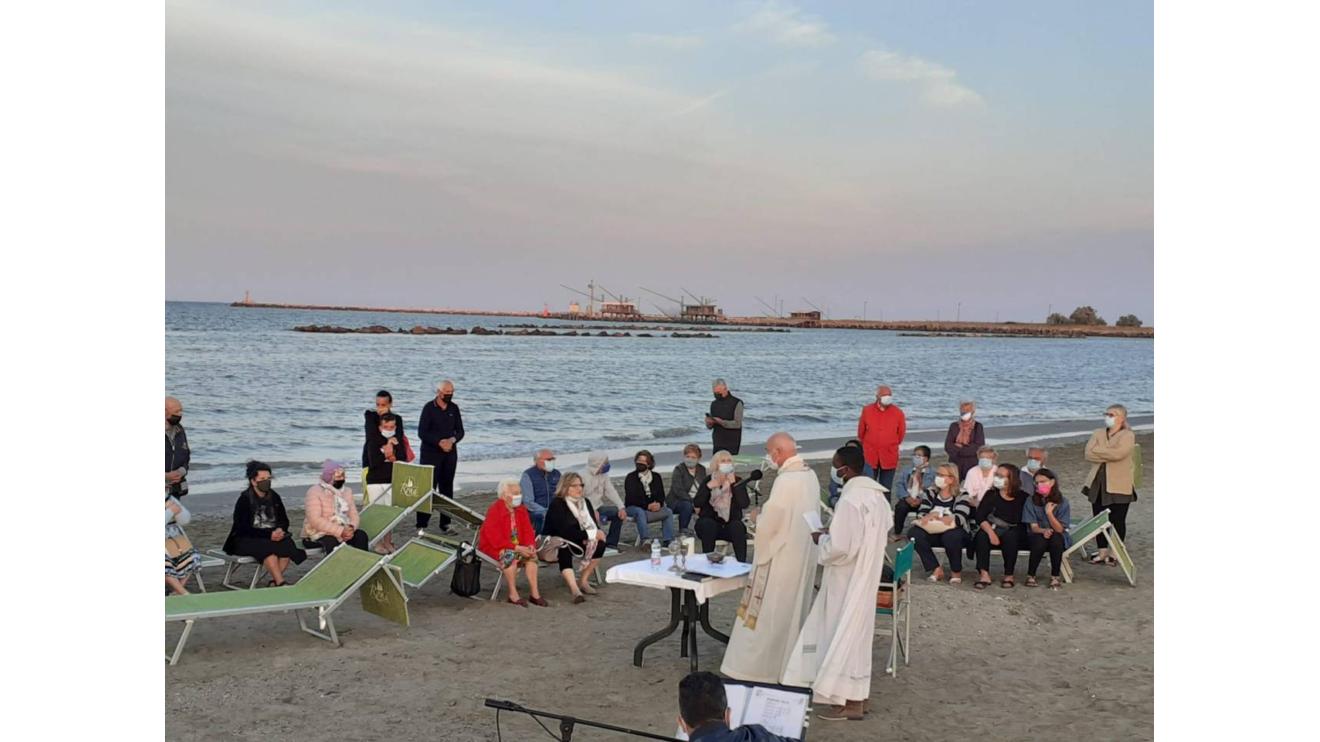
[1031, 581]
[1107, 561]
[981, 584]
[1055, 583]
[1006, 583]
[541, 602]
[520, 601]
[955, 580]
[579, 599]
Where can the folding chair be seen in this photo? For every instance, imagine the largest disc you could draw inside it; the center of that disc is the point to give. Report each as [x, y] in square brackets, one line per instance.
[1089, 531]
[902, 608]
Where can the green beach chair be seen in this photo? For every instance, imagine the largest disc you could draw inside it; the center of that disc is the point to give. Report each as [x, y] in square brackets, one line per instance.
[902, 608]
[456, 510]
[321, 591]
[421, 559]
[1089, 531]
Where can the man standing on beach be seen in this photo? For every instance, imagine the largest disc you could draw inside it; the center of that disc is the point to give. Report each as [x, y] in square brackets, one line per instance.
[725, 419]
[177, 453]
[440, 429]
[778, 594]
[832, 655]
[881, 429]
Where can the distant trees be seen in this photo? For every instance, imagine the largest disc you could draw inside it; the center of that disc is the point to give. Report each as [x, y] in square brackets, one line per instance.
[1088, 316]
[1128, 320]
[1056, 319]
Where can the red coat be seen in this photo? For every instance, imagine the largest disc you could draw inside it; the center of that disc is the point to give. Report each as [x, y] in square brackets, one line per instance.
[881, 433]
[496, 532]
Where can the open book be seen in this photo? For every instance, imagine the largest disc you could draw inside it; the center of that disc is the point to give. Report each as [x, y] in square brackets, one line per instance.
[780, 709]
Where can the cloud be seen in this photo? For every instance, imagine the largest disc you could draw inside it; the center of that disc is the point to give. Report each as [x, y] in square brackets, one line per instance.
[785, 24]
[670, 42]
[939, 84]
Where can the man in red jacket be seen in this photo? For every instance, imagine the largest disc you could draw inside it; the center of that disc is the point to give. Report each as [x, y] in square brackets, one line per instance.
[881, 429]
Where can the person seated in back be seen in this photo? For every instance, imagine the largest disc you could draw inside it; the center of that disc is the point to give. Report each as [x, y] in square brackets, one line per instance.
[683, 484]
[999, 525]
[720, 500]
[600, 492]
[943, 519]
[572, 518]
[980, 478]
[385, 448]
[644, 495]
[261, 526]
[181, 561]
[538, 484]
[835, 487]
[911, 487]
[1049, 526]
[507, 537]
[703, 712]
[329, 516]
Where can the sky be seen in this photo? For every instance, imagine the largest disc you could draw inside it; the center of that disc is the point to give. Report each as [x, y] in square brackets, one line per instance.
[896, 159]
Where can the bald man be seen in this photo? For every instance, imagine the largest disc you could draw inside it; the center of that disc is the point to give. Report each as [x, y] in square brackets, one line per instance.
[177, 453]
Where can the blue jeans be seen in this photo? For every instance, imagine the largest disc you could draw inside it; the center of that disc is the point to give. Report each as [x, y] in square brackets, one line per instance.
[683, 509]
[884, 476]
[642, 517]
[538, 520]
[613, 516]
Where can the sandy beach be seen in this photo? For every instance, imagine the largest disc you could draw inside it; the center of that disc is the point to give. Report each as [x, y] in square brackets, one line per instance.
[1025, 663]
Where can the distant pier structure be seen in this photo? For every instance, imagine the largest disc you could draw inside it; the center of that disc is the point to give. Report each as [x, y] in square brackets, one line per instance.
[247, 297]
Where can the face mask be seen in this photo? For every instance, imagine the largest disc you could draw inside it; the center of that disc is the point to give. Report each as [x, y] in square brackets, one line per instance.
[641, 467]
[998, 482]
[264, 485]
[918, 461]
[1042, 489]
[174, 419]
[447, 398]
[691, 463]
[605, 469]
[549, 465]
[769, 462]
[517, 500]
[386, 434]
[726, 468]
[716, 395]
[885, 399]
[1110, 420]
[1033, 464]
[337, 484]
[985, 463]
[966, 416]
[834, 476]
[940, 482]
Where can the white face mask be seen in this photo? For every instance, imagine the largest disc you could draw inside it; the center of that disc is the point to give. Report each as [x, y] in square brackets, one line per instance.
[726, 468]
[885, 399]
[769, 462]
[998, 482]
[834, 476]
[1033, 464]
[940, 482]
[985, 463]
[691, 463]
[1110, 420]
[517, 500]
[966, 416]
[387, 434]
[549, 465]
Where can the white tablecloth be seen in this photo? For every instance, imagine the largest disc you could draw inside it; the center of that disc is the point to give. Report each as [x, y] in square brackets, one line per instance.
[642, 574]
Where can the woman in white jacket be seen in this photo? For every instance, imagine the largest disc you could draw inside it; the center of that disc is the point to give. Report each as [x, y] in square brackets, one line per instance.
[600, 492]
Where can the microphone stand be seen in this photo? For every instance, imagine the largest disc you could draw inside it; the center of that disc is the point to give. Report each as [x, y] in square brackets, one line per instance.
[568, 723]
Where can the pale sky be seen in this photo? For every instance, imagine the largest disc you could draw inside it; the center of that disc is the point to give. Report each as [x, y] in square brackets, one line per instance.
[477, 155]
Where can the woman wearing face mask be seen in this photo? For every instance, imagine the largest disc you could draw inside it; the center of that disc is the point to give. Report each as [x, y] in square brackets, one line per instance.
[918, 477]
[386, 448]
[507, 537]
[572, 518]
[1110, 481]
[600, 492]
[980, 478]
[644, 496]
[965, 436]
[943, 518]
[683, 484]
[720, 500]
[1048, 517]
[261, 526]
[999, 519]
[330, 517]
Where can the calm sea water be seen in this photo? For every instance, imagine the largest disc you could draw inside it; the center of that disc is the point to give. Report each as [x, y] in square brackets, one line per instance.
[254, 388]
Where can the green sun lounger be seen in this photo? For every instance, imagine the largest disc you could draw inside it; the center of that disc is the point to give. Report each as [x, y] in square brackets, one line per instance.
[420, 560]
[320, 592]
[1090, 530]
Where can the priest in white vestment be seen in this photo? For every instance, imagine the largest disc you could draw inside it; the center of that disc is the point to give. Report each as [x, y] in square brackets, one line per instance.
[833, 653]
[778, 595]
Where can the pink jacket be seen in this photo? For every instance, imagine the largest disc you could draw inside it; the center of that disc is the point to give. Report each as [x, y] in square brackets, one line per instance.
[319, 513]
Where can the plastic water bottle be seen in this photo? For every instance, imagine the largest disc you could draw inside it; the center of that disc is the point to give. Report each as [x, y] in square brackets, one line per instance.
[655, 554]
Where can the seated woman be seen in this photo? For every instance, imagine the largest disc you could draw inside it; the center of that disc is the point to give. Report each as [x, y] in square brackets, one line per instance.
[644, 495]
[507, 537]
[600, 492]
[331, 518]
[720, 501]
[943, 518]
[683, 484]
[571, 517]
[261, 526]
[1049, 521]
[999, 519]
[181, 561]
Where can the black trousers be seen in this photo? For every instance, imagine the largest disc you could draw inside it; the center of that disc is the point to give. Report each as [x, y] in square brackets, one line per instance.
[260, 548]
[709, 530]
[953, 540]
[901, 511]
[1117, 516]
[445, 465]
[1009, 541]
[1037, 545]
[328, 543]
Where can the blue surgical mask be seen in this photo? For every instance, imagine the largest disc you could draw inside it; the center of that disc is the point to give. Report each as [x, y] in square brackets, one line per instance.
[726, 468]
[1033, 464]
[918, 461]
[606, 468]
[691, 463]
[985, 463]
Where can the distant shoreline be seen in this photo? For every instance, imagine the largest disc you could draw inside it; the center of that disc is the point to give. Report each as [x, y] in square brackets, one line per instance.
[926, 327]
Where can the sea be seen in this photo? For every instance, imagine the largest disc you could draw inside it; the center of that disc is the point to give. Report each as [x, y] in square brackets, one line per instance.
[254, 388]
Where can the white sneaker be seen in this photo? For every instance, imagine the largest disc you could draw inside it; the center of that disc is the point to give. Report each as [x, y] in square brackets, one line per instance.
[610, 551]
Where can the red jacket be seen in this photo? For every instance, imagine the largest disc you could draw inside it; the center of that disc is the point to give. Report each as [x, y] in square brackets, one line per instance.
[496, 532]
[881, 433]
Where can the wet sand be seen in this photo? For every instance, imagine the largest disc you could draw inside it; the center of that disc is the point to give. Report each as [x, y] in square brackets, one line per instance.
[1025, 663]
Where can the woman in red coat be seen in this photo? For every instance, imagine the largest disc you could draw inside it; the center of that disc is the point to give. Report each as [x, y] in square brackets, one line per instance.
[507, 537]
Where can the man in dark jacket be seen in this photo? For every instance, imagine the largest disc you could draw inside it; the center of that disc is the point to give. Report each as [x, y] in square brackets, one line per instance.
[440, 429]
[703, 713]
[725, 419]
[177, 453]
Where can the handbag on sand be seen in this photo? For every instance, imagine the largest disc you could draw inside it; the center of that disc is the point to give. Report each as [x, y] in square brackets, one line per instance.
[467, 572]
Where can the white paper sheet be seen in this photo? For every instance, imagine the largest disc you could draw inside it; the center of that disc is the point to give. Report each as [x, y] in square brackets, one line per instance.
[780, 712]
[730, 567]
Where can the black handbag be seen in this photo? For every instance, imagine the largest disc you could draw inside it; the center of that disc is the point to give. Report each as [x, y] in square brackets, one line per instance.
[467, 572]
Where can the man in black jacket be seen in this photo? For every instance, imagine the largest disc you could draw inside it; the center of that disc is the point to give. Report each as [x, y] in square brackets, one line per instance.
[725, 419]
[703, 713]
[177, 453]
[440, 429]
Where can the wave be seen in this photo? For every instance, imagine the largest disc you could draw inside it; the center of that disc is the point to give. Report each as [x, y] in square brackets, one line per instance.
[672, 432]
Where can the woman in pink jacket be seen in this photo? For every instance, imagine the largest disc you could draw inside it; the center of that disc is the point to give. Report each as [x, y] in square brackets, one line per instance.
[330, 517]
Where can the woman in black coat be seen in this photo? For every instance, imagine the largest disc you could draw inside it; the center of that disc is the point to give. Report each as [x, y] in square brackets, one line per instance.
[261, 526]
[720, 513]
[572, 518]
[644, 498]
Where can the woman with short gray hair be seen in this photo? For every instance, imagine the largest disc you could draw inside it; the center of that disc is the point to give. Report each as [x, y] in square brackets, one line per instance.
[1109, 485]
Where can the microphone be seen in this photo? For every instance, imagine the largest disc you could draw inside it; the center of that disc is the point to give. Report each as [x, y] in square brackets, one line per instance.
[496, 703]
[754, 475]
